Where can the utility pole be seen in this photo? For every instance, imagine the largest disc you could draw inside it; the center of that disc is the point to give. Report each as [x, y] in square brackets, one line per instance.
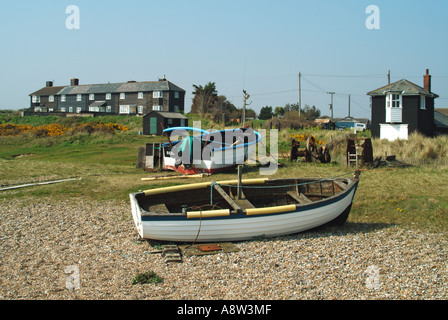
[331, 104]
[300, 95]
[349, 105]
[240, 166]
[243, 116]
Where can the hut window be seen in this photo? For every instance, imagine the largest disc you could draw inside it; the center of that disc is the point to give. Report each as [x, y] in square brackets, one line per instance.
[423, 102]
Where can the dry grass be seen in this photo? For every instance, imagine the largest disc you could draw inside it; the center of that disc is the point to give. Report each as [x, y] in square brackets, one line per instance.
[417, 150]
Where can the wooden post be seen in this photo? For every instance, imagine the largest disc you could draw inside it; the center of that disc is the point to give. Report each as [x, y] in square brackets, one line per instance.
[240, 175]
[141, 158]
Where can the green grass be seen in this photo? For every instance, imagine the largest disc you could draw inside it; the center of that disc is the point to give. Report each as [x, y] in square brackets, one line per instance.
[413, 197]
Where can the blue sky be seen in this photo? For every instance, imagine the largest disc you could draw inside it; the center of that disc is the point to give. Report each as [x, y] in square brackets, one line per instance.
[256, 45]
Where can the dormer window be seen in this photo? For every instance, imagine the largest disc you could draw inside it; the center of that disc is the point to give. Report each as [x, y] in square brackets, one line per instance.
[393, 100]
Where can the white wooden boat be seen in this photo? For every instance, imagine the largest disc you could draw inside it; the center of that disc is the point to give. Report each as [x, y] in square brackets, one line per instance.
[208, 152]
[213, 212]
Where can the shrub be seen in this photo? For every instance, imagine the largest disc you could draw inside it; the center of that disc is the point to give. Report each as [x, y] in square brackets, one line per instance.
[54, 129]
[146, 277]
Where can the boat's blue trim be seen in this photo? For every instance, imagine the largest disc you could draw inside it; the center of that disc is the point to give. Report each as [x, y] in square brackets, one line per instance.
[185, 128]
[300, 208]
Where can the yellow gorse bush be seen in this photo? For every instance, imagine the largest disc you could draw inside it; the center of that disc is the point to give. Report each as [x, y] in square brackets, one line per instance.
[52, 130]
[304, 136]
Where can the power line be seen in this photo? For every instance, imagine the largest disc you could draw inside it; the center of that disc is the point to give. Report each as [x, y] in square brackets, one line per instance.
[344, 76]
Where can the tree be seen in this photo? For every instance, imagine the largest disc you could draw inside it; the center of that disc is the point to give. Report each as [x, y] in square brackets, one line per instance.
[204, 98]
[279, 111]
[265, 113]
[291, 107]
[310, 113]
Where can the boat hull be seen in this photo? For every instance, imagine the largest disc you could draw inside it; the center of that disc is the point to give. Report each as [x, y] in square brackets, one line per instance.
[239, 227]
[220, 161]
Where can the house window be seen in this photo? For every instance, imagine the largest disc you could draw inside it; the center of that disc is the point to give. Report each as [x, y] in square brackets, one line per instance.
[51, 99]
[36, 99]
[108, 108]
[140, 95]
[124, 109]
[63, 98]
[394, 108]
[176, 94]
[108, 96]
[70, 109]
[37, 109]
[78, 97]
[92, 96]
[63, 109]
[122, 96]
[78, 110]
[423, 102]
[176, 108]
[157, 94]
[140, 109]
[157, 108]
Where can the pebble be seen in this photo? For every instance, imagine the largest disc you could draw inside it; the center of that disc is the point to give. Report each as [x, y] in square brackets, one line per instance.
[83, 249]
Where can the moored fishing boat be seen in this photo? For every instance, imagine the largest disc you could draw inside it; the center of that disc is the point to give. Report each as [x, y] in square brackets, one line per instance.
[208, 152]
[241, 210]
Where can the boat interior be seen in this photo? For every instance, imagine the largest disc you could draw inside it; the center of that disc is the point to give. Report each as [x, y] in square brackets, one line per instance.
[270, 193]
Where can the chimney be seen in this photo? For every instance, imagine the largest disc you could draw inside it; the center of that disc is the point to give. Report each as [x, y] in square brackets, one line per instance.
[74, 82]
[427, 81]
[49, 84]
